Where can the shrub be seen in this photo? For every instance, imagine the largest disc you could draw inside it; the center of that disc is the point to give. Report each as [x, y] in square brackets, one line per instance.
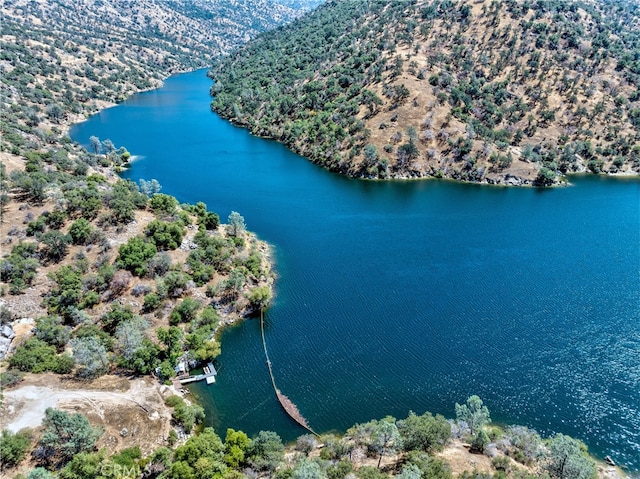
[135, 254]
[36, 356]
[501, 463]
[254, 264]
[480, 442]
[116, 315]
[183, 414]
[163, 204]
[151, 302]
[209, 220]
[64, 436]
[165, 236]
[14, 447]
[68, 293]
[35, 227]
[125, 198]
[127, 457]
[10, 378]
[140, 290]
[173, 285]
[63, 364]
[185, 311]
[6, 316]
[90, 300]
[208, 317]
[55, 220]
[119, 283]
[159, 264]
[51, 330]
[79, 231]
[19, 269]
[56, 245]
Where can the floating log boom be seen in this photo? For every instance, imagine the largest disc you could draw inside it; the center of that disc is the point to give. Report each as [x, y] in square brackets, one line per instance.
[284, 401]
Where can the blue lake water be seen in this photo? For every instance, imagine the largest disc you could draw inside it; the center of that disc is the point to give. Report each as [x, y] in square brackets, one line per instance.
[408, 295]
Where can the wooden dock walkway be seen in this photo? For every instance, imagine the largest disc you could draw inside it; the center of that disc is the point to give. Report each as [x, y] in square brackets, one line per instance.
[208, 374]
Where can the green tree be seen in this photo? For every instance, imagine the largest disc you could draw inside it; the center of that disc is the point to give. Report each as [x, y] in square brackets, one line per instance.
[385, 437]
[173, 285]
[209, 220]
[55, 112]
[172, 338]
[56, 245]
[236, 444]
[14, 447]
[568, 459]
[424, 433]
[236, 224]
[165, 236]
[266, 451]
[430, 467]
[480, 442]
[135, 254]
[86, 465]
[91, 356]
[473, 413]
[163, 204]
[185, 312]
[55, 219]
[130, 336]
[545, 177]
[33, 355]
[260, 297]
[306, 469]
[124, 200]
[235, 281]
[51, 330]
[64, 436]
[159, 461]
[19, 269]
[180, 470]
[207, 444]
[185, 415]
[80, 230]
[370, 472]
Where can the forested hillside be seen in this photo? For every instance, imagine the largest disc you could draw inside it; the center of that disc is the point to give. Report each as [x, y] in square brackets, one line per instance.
[509, 92]
[61, 60]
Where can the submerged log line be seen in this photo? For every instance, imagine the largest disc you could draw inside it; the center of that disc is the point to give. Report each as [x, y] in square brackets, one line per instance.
[286, 403]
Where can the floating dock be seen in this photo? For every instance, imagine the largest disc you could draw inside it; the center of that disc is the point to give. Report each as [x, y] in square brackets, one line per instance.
[209, 374]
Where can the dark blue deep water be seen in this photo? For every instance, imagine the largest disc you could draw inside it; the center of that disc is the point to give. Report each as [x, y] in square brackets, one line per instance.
[399, 296]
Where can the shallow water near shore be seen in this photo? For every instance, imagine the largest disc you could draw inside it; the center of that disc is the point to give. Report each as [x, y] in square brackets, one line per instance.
[408, 295]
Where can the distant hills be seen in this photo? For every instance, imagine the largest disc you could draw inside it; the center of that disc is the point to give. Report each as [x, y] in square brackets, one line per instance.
[505, 92]
[62, 59]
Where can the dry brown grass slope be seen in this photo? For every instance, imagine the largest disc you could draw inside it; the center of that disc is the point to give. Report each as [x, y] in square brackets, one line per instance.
[475, 90]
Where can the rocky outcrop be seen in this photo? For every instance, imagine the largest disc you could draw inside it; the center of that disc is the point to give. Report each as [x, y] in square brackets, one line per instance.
[6, 337]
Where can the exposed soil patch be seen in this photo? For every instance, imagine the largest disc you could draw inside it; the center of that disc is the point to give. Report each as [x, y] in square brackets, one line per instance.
[131, 411]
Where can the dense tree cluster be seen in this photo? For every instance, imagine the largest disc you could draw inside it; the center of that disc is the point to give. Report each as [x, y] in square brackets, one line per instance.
[228, 267]
[482, 90]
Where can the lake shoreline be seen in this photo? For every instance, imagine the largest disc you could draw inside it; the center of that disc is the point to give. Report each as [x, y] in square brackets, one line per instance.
[241, 171]
[507, 180]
